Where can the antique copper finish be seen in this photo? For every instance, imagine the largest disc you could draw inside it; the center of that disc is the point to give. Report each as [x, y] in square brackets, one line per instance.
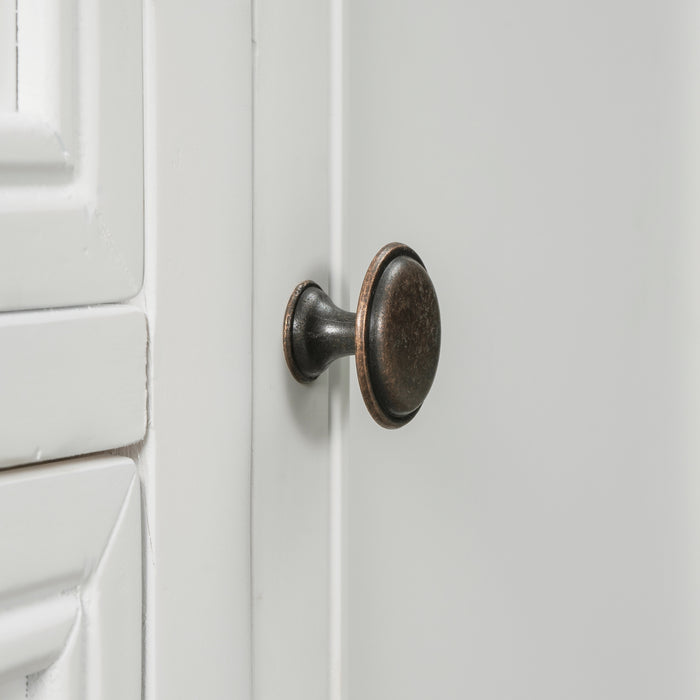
[316, 332]
[395, 334]
[287, 331]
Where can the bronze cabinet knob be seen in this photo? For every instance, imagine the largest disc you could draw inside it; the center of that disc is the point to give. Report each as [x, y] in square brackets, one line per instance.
[395, 334]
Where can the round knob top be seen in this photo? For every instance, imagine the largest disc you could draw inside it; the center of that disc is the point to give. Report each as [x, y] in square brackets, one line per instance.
[397, 335]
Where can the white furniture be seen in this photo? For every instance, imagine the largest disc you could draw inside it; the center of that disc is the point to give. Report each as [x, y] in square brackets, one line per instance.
[532, 534]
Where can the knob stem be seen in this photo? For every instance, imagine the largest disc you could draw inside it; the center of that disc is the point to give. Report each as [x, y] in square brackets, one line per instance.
[321, 332]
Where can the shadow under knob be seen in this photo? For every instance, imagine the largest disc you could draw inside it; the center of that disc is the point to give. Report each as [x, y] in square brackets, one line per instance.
[395, 334]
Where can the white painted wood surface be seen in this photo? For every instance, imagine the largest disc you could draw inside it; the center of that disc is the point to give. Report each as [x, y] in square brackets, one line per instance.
[71, 157]
[290, 422]
[70, 592]
[72, 381]
[195, 462]
[8, 55]
[534, 532]
[29, 142]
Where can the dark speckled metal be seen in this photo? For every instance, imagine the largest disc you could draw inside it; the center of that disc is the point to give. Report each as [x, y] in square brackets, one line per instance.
[404, 331]
[395, 334]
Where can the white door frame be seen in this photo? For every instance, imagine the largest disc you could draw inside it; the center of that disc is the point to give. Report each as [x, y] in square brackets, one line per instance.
[195, 461]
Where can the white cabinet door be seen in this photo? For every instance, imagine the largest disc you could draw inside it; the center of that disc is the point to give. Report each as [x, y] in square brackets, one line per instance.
[533, 532]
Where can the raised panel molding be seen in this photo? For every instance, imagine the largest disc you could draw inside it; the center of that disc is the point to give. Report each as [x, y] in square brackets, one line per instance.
[72, 381]
[70, 600]
[71, 156]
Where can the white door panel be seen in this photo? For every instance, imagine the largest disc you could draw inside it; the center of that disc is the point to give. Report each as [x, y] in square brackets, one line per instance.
[72, 381]
[70, 590]
[71, 156]
[532, 533]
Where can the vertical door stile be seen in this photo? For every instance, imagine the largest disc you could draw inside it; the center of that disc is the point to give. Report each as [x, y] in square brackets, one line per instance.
[290, 490]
